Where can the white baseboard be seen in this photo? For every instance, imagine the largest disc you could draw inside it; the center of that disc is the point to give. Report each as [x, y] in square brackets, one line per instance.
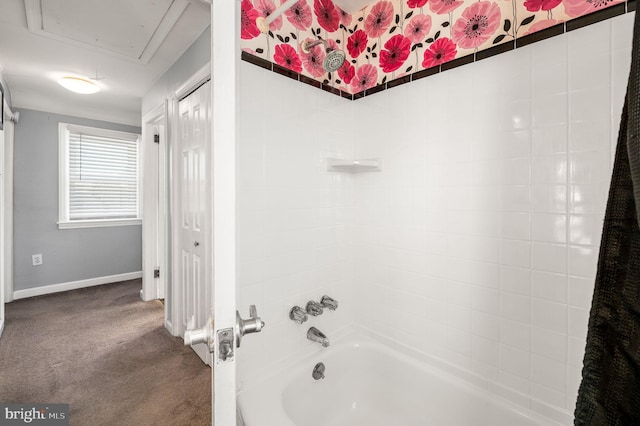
[72, 285]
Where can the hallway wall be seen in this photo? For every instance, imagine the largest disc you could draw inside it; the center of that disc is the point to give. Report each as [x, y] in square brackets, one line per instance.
[70, 254]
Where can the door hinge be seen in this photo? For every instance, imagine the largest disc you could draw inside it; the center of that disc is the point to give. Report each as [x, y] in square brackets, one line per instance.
[156, 273]
[156, 138]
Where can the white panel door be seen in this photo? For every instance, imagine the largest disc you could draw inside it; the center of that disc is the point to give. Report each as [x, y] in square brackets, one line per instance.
[194, 192]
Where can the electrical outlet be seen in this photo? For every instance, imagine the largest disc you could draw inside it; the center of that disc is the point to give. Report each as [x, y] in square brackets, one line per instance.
[36, 259]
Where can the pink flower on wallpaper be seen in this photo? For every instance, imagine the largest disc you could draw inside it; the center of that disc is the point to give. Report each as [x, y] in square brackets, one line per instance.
[366, 77]
[476, 25]
[416, 3]
[379, 19]
[442, 7]
[441, 51]
[418, 28]
[312, 61]
[299, 15]
[541, 25]
[327, 14]
[575, 8]
[266, 8]
[345, 18]
[346, 72]
[537, 5]
[397, 50]
[248, 15]
[287, 57]
[356, 43]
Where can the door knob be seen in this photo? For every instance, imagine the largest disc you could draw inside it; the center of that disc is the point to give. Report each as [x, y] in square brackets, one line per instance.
[246, 326]
[194, 336]
[196, 244]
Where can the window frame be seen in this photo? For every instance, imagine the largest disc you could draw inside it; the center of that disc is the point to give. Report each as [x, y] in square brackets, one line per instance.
[63, 178]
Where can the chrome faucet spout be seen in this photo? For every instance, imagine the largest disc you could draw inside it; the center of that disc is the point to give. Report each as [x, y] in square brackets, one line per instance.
[318, 336]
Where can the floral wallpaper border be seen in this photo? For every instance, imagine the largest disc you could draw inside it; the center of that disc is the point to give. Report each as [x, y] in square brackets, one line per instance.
[377, 59]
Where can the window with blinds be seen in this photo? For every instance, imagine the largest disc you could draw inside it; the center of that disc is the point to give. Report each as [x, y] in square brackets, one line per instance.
[99, 177]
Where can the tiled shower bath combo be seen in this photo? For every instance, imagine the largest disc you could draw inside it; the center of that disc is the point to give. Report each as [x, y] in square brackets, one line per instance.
[464, 267]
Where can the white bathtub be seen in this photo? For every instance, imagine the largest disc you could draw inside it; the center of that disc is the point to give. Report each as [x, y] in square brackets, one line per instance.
[367, 383]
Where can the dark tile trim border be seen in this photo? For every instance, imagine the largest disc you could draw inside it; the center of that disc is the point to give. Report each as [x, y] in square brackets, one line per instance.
[310, 81]
[263, 63]
[425, 73]
[399, 81]
[495, 50]
[375, 89]
[286, 72]
[573, 24]
[595, 17]
[540, 35]
[458, 62]
[346, 95]
[330, 89]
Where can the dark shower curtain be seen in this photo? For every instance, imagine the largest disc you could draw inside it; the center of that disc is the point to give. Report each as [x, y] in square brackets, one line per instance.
[610, 390]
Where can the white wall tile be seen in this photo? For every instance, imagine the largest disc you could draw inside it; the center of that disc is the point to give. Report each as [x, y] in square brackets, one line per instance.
[515, 307]
[549, 286]
[549, 257]
[581, 292]
[549, 373]
[515, 361]
[583, 261]
[548, 395]
[549, 140]
[549, 344]
[515, 280]
[578, 319]
[549, 228]
[515, 334]
[515, 253]
[549, 198]
[550, 316]
[514, 382]
[485, 325]
[515, 226]
[575, 351]
[482, 229]
[484, 351]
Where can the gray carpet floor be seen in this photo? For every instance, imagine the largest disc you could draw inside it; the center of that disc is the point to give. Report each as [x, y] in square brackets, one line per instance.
[107, 354]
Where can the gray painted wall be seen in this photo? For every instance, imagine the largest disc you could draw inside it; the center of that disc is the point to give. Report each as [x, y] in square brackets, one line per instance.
[194, 58]
[70, 254]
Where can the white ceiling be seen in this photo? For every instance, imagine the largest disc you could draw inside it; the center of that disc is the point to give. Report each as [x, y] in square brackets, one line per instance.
[127, 44]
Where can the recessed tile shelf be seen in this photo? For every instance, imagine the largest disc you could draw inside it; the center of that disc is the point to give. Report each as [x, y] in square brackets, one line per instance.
[353, 166]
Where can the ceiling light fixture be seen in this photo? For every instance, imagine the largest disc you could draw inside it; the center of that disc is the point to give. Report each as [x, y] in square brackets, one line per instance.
[79, 85]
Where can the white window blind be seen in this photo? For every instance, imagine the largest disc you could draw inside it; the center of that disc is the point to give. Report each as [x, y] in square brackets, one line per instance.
[101, 175]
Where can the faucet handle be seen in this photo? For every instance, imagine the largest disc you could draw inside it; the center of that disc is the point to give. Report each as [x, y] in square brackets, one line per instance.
[329, 303]
[314, 308]
[298, 315]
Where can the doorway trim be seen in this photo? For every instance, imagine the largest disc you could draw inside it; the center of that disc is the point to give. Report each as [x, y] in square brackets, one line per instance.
[154, 206]
[6, 211]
